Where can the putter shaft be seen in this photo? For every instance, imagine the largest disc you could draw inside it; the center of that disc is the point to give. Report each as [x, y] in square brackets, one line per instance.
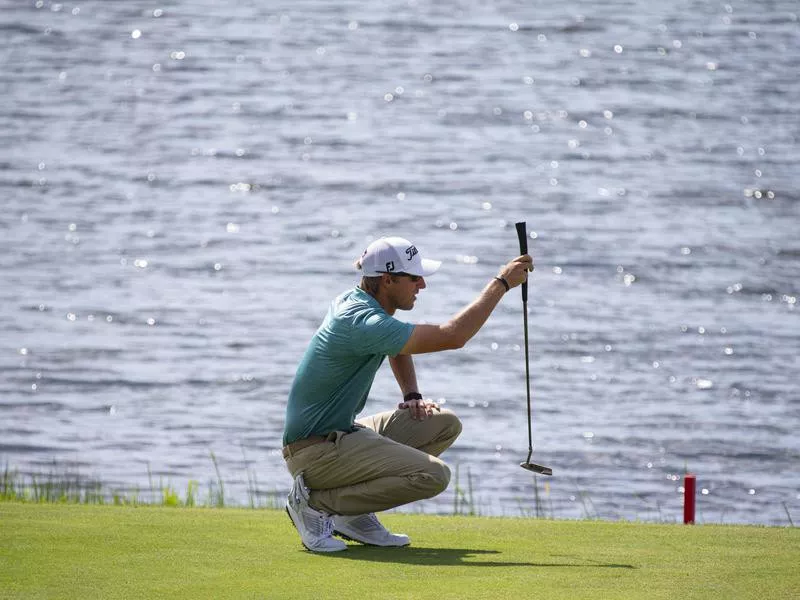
[528, 465]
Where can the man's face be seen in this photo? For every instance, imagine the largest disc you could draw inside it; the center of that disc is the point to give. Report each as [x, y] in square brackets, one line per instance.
[404, 288]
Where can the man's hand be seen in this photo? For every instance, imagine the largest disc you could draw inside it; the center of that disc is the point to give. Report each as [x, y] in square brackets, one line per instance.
[516, 271]
[420, 409]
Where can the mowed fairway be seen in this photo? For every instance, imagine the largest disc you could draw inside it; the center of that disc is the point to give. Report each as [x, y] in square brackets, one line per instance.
[80, 551]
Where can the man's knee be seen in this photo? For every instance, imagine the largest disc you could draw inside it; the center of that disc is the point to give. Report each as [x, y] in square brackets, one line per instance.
[442, 477]
[452, 424]
[449, 428]
[434, 480]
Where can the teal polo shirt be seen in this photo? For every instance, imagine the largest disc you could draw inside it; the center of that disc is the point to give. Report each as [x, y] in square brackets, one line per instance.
[336, 373]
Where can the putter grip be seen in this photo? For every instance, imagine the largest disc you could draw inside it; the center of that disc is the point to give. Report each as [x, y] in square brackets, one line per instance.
[522, 234]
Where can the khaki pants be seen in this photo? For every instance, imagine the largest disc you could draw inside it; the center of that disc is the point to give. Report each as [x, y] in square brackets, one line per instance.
[389, 461]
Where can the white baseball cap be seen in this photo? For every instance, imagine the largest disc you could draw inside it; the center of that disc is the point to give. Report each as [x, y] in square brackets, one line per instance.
[396, 255]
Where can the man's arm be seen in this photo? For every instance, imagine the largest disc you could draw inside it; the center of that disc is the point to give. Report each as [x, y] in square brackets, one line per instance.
[403, 369]
[404, 372]
[462, 327]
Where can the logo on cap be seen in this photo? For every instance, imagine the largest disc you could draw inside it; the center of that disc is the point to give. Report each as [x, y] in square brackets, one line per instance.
[411, 252]
[390, 266]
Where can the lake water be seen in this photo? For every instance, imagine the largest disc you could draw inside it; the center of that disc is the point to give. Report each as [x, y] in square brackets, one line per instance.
[185, 186]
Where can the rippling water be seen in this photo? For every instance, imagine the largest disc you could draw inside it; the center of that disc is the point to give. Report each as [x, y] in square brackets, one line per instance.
[184, 189]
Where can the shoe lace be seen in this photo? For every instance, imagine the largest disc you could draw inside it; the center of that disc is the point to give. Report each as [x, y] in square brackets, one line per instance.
[319, 524]
[326, 526]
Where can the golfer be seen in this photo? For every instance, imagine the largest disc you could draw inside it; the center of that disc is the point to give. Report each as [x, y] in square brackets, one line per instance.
[345, 470]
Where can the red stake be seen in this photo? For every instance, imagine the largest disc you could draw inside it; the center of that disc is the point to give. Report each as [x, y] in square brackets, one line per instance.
[689, 487]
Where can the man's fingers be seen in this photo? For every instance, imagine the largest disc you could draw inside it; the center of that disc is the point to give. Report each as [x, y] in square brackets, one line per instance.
[420, 409]
[526, 261]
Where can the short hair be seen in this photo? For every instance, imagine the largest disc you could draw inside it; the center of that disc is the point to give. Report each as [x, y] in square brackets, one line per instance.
[371, 285]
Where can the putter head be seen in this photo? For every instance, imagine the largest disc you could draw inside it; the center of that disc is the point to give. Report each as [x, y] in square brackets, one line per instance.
[542, 470]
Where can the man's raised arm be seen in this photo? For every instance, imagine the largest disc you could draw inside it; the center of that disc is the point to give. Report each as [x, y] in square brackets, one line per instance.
[456, 332]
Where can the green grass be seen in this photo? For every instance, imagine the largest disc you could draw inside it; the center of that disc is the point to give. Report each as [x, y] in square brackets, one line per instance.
[102, 551]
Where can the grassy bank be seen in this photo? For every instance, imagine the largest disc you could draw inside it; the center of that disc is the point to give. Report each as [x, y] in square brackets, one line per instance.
[91, 551]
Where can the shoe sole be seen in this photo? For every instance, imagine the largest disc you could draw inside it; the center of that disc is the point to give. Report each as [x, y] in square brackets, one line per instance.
[288, 514]
[344, 536]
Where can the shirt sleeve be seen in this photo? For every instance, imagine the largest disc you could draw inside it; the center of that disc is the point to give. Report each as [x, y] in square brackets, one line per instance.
[379, 333]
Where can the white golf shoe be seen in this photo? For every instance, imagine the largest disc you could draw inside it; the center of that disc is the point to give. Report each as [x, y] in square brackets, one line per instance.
[315, 527]
[367, 530]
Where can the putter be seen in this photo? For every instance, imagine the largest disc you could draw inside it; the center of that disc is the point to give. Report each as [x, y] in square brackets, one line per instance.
[522, 234]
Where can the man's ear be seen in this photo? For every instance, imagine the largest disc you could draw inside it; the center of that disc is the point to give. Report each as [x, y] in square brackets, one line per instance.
[386, 279]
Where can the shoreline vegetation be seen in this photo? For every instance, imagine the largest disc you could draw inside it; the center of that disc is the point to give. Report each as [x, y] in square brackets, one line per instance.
[62, 486]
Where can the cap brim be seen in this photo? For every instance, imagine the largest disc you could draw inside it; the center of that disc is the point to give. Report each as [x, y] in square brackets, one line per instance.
[429, 267]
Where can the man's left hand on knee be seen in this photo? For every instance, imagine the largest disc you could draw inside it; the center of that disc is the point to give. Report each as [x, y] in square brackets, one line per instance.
[420, 409]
